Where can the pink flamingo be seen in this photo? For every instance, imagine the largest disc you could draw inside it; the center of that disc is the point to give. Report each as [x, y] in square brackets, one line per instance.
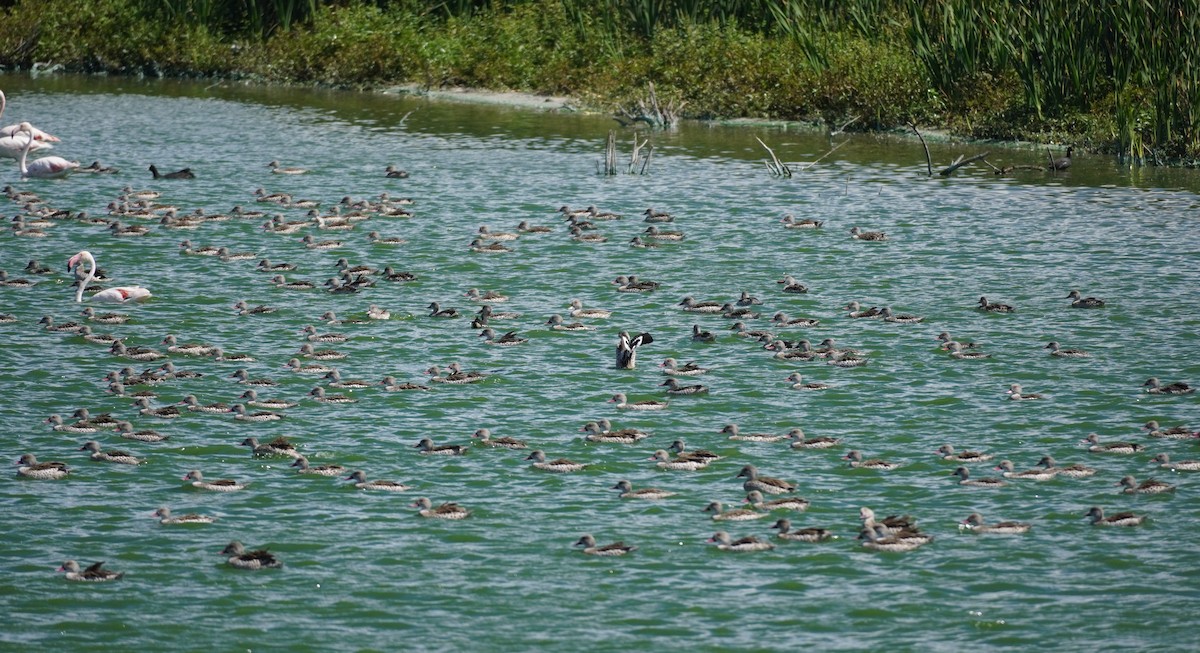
[47, 167]
[120, 294]
[11, 130]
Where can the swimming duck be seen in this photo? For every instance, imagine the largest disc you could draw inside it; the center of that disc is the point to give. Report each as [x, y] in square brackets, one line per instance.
[741, 514]
[559, 465]
[857, 311]
[252, 399]
[679, 448]
[280, 446]
[755, 498]
[335, 381]
[310, 333]
[104, 318]
[166, 412]
[143, 354]
[976, 525]
[219, 354]
[56, 423]
[632, 283]
[945, 339]
[318, 394]
[734, 434]
[790, 222]
[791, 285]
[33, 267]
[1173, 433]
[444, 511]
[85, 332]
[597, 214]
[637, 243]
[764, 484]
[797, 383]
[222, 485]
[578, 311]
[191, 349]
[93, 574]
[653, 233]
[1155, 387]
[29, 467]
[671, 367]
[228, 256]
[454, 375]
[741, 331]
[673, 388]
[783, 319]
[1164, 461]
[889, 316]
[699, 335]
[509, 339]
[14, 283]
[732, 312]
[486, 313]
[240, 558]
[571, 213]
[168, 371]
[657, 216]
[436, 310]
[946, 452]
[49, 325]
[784, 351]
[623, 403]
[164, 517]
[427, 447]
[283, 170]
[1070, 471]
[649, 493]
[525, 228]
[1130, 485]
[801, 442]
[279, 281]
[313, 243]
[746, 544]
[114, 456]
[615, 549]
[964, 478]
[318, 470]
[1111, 447]
[103, 420]
[890, 524]
[847, 360]
[360, 481]
[240, 413]
[265, 265]
[1084, 302]
[784, 526]
[486, 439]
[1056, 351]
[1044, 474]
[956, 351]
[1015, 393]
[306, 350]
[876, 539]
[390, 384]
[479, 247]
[1097, 518]
[579, 235]
[487, 234]
[690, 304]
[663, 460]
[994, 307]
[859, 234]
[856, 460]
[597, 433]
[392, 172]
[125, 430]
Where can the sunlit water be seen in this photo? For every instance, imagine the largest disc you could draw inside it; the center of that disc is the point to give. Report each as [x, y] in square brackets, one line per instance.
[362, 571]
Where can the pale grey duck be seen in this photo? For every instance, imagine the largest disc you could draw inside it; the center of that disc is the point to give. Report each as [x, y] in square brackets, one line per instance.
[240, 558]
[615, 549]
[784, 526]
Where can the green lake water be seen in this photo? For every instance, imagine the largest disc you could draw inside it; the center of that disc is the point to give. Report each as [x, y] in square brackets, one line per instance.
[363, 572]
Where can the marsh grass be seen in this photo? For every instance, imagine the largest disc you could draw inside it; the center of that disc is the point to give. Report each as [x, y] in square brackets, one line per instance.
[1120, 75]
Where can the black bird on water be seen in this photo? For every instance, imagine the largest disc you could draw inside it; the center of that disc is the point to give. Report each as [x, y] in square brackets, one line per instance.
[186, 173]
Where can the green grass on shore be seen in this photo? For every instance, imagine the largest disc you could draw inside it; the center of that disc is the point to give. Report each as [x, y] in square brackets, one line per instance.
[882, 63]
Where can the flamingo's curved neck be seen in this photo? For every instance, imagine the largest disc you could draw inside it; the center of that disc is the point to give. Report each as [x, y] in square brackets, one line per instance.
[87, 257]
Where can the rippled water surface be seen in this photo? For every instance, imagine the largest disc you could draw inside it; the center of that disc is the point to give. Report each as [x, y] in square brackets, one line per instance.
[363, 572]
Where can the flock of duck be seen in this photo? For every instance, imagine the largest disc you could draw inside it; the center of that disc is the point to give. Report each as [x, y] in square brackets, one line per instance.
[895, 533]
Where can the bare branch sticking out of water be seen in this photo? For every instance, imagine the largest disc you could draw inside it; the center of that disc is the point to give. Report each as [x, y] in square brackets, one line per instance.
[928, 159]
[650, 111]
[818, 159]
[959, 162]
[776, 167]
